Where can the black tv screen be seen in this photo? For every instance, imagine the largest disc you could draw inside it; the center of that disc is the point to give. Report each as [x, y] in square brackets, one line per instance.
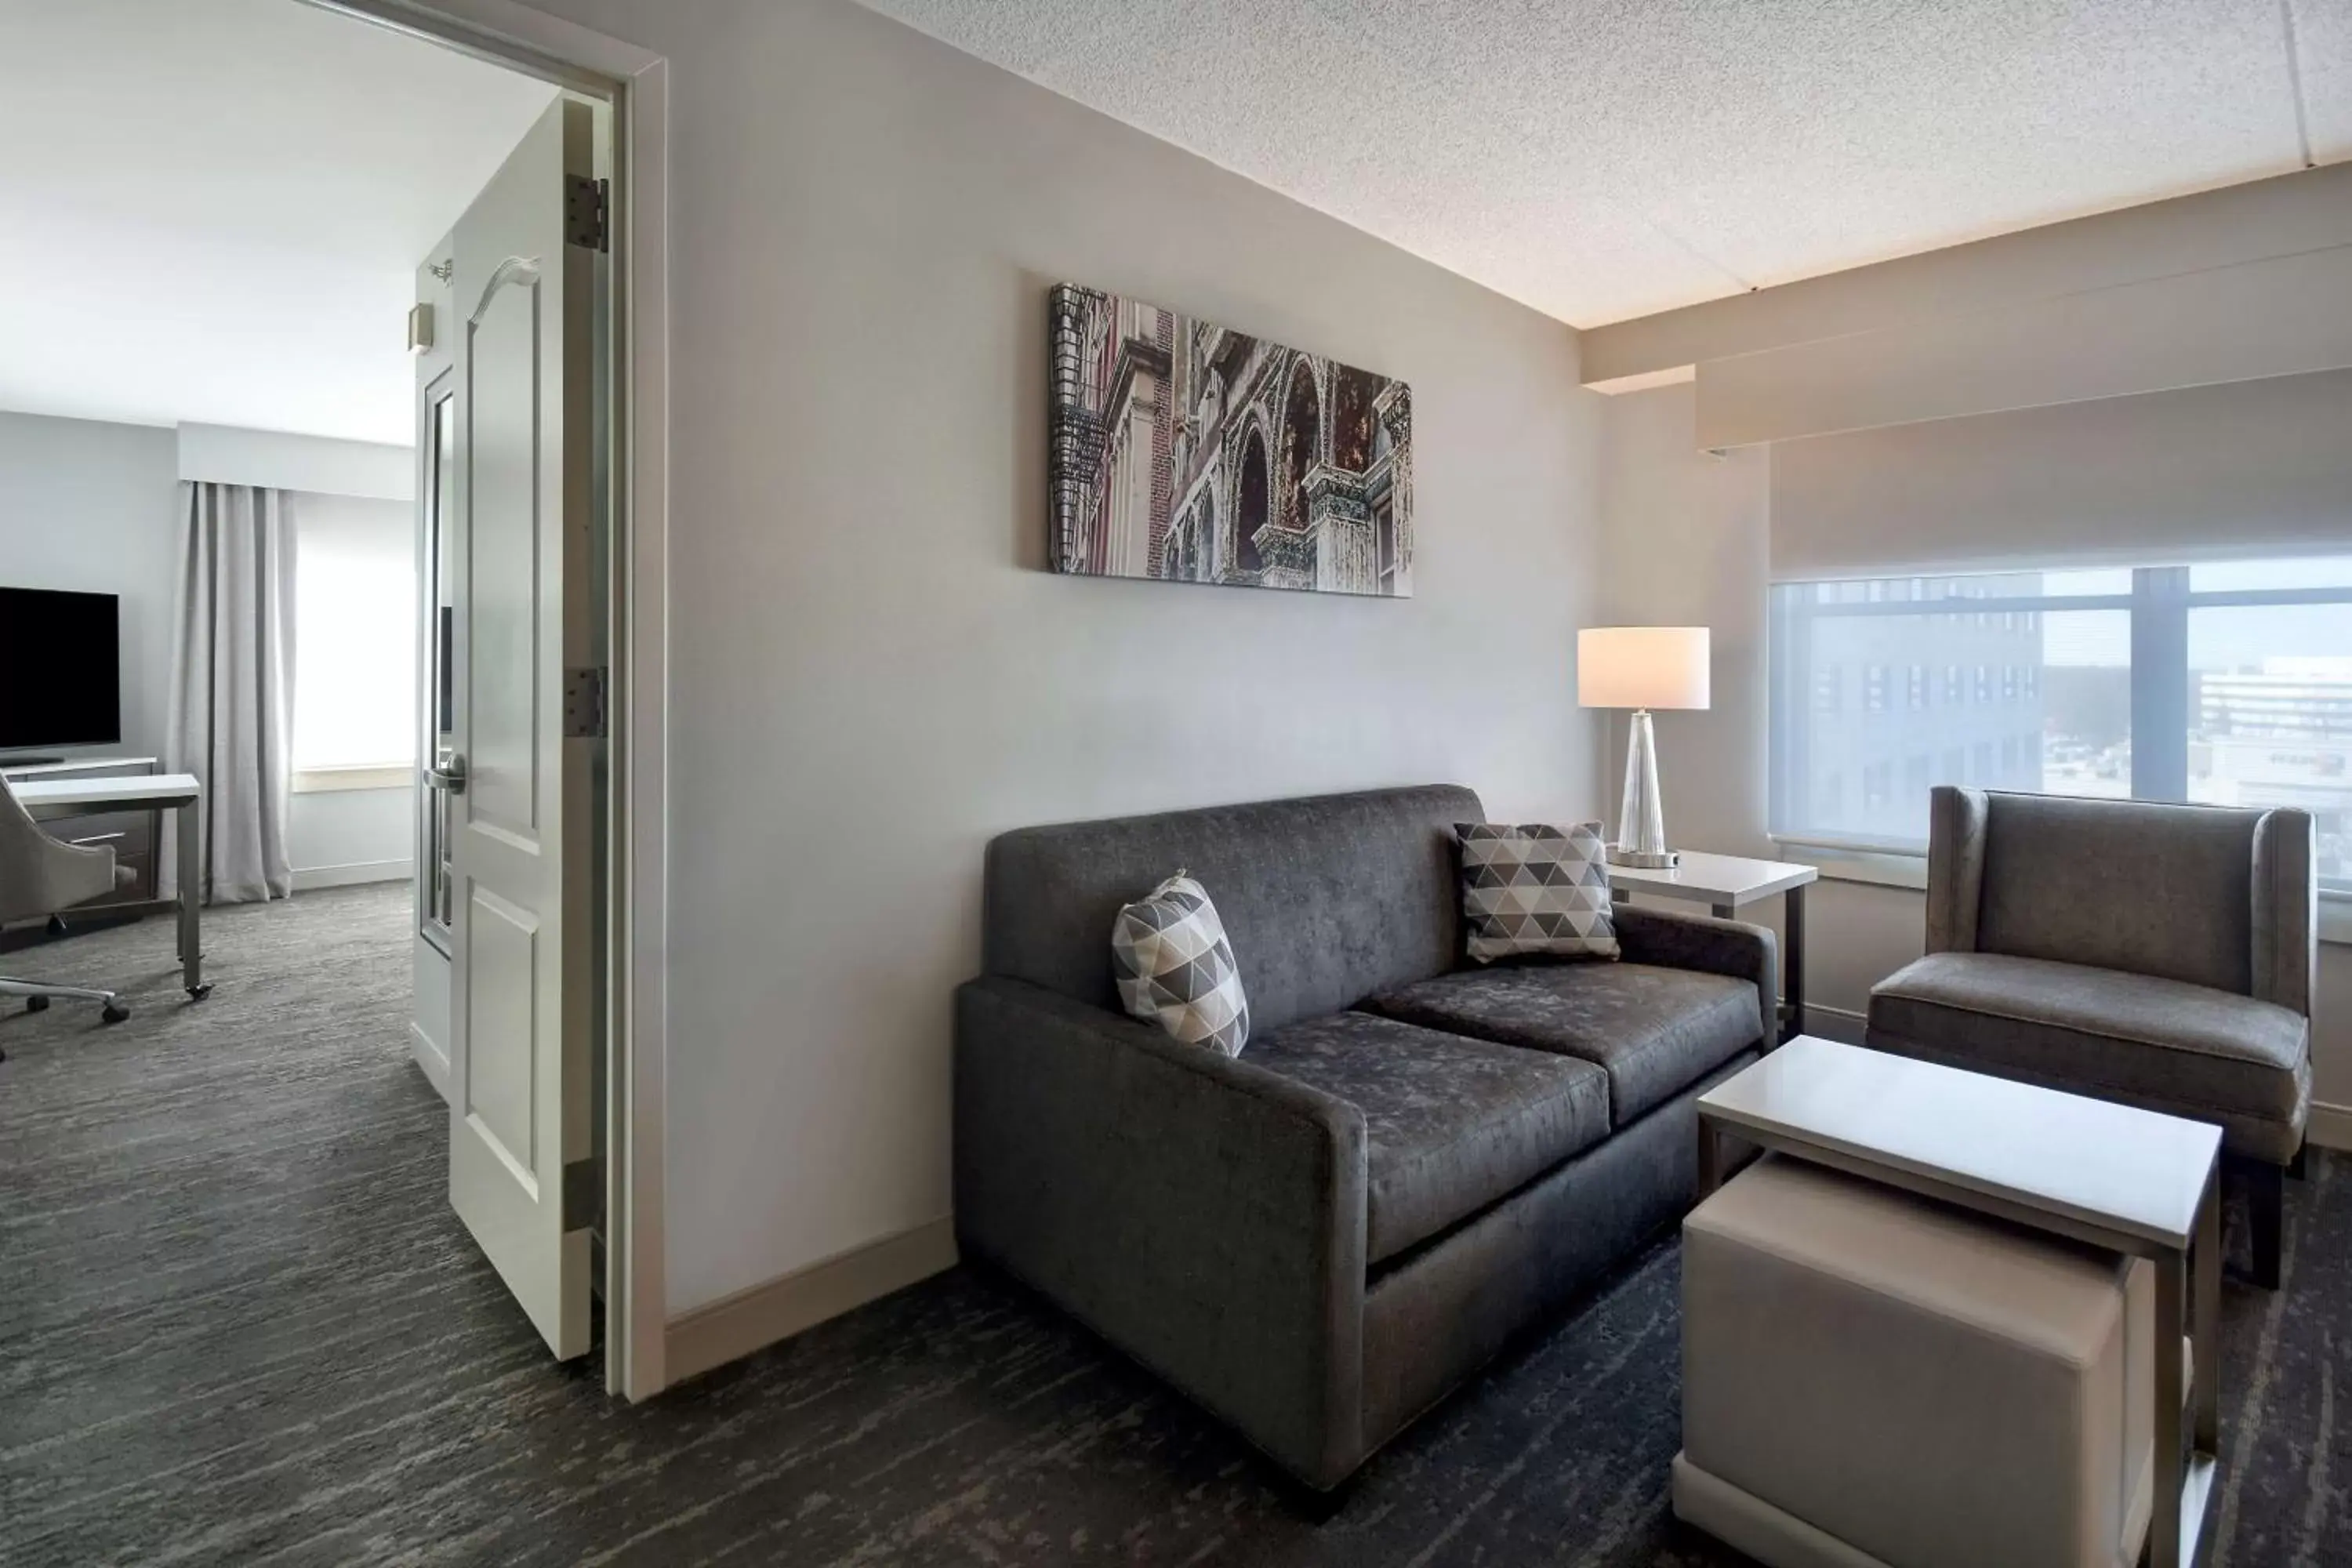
[60, 669]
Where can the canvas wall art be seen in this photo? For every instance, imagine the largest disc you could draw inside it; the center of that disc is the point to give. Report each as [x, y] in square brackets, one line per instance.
[1189, 451]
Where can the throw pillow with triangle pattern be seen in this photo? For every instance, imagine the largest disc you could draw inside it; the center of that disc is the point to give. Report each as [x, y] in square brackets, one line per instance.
[1176, 968]
[1535, 888]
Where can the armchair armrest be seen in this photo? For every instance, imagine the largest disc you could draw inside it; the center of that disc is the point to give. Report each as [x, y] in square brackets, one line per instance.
[1203, 1214]
[41, 874]
[1734, 948]
[2286, 926]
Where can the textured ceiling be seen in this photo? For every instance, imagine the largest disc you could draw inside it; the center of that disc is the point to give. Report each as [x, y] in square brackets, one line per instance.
[212, 210]
[1600, 160]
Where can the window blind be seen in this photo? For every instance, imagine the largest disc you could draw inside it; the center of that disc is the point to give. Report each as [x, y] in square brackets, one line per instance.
[2202, 473]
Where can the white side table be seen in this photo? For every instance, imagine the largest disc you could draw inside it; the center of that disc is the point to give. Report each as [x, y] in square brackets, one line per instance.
[1726, 884]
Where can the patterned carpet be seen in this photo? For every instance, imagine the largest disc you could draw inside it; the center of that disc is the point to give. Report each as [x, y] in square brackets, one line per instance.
[238, 1324]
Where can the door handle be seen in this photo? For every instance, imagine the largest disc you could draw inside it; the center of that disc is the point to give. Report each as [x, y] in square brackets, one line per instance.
[449, 775]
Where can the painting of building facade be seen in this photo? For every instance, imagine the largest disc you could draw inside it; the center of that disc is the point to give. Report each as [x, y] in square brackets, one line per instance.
[1188, 451]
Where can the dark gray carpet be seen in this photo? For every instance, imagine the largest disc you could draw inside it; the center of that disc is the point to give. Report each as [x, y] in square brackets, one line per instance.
[238, 1324]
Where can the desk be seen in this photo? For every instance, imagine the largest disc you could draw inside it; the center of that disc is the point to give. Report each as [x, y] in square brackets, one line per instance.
[1726, 884]
[82, 798]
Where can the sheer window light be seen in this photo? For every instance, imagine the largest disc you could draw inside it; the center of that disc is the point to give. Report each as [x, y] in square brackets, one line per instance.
[2229, 684]
[354, 634]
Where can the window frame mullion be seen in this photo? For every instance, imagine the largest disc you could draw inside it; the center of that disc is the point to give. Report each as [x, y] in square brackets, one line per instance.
[2159, 683]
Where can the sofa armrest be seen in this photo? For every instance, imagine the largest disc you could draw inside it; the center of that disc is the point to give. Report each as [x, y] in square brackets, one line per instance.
[1734, 948]
[1957, 831]
[1203, 1214]
[2286, 926]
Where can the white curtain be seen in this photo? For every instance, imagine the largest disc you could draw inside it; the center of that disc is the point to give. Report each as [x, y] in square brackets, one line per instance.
[233, 685]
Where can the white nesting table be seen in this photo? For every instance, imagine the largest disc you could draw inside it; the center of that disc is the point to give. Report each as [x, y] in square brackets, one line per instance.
[180, 792]
[2115, 1176]
[1726, 884]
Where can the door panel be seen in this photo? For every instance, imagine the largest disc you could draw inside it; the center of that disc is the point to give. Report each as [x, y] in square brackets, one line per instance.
[505, 395]
[520, 915]
[502, 943]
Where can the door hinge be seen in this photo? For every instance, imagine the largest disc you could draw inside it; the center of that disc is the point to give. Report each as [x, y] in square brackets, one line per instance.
[583, 1194]
[583, 704]
[587, 206]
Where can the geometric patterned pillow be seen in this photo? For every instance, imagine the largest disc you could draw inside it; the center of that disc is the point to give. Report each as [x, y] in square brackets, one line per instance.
[1535, 889]
[1176, 966]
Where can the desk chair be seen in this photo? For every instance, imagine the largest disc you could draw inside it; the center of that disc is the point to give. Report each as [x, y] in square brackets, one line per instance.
[39, 875]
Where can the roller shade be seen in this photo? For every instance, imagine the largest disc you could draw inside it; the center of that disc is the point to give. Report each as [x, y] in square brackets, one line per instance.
[2246, 467]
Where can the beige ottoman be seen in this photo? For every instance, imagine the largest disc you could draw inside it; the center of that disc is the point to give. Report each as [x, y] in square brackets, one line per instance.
[1873, 1380]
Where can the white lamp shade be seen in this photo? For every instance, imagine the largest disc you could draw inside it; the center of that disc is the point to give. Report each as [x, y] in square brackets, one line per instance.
[1641, 666]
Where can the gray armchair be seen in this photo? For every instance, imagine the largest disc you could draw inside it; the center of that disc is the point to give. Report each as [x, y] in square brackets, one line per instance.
[2157, 956]
[40, 876]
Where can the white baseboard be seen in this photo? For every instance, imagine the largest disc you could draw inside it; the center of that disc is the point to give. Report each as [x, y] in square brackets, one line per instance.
[734, 1326]
[309, 876]
[430, 1058]
[2330, 1126]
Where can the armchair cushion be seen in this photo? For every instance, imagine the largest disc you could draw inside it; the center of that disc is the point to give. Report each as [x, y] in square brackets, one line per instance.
[1451, 1123]
[1654, 1030]
[2170, 1046]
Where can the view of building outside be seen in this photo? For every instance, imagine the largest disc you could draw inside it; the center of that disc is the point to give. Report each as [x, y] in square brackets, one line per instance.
[1987, 688]
[2271, 699]
[2025, 680]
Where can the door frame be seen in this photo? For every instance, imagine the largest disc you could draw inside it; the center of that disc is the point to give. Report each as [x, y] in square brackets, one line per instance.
[635, 83]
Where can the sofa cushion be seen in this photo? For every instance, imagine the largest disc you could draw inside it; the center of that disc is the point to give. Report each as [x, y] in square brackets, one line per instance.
[2165, 1044]
[2144, 886]
[1654, 1030]
[1325, 900]
[1535, 888]
[1176, 968]
[1451, 1124]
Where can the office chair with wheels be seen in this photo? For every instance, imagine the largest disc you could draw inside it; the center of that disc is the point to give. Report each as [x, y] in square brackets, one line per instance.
[39, 875]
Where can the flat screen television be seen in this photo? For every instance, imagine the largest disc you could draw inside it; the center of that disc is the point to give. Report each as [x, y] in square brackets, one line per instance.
[60, 669]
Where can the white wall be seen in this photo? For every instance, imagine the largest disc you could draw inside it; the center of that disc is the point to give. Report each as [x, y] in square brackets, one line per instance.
[88, 506]
[1684, 541]
[320, 465]
[870, 672]
[338, 837]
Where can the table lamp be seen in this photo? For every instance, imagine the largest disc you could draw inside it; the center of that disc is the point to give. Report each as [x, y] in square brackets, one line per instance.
[1641, 668]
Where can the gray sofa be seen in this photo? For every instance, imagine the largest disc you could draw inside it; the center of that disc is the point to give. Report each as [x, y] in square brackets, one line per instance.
[2160, 955]
[1409, 1163]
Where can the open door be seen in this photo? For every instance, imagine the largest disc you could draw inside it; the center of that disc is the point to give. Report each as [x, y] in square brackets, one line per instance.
[516, 715]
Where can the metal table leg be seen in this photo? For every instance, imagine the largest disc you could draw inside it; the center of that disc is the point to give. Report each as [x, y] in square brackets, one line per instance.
[2205, 1318]
[1793, 960]
[192, 954]
[2164, 1521]
[2187, 1295]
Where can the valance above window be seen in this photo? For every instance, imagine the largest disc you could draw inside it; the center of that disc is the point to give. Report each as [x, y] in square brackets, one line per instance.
[2240, 469]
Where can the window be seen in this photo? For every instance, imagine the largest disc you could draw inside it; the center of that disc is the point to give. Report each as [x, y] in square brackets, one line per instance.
[1873, 689]
[354, 634]
[1914, 690]
[2248, 665]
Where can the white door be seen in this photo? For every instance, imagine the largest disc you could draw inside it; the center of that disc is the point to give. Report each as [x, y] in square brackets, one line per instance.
[517, 770]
